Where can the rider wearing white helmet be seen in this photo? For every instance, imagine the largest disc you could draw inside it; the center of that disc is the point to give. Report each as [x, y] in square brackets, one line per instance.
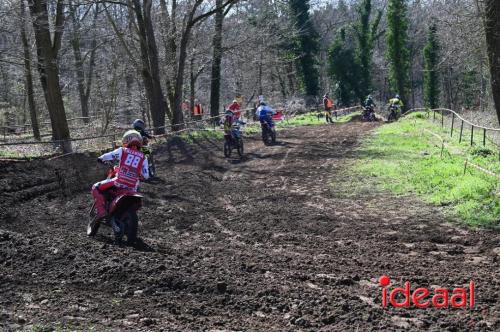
[132, 168]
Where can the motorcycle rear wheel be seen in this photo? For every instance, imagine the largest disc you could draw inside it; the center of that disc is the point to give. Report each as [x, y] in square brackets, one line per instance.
[130, 223]
[268, 136]
[392, 117]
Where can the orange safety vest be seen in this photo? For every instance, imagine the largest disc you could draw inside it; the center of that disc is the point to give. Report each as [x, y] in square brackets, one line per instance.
[329, 103]
[197, 110]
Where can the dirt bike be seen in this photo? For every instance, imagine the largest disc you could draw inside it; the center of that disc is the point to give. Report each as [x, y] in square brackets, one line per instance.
[233, 141]
[393, 113]
[268, 134]
[368, 113]
[122, 206]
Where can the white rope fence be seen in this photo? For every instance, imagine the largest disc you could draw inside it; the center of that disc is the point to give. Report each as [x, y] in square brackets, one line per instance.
[468, 162]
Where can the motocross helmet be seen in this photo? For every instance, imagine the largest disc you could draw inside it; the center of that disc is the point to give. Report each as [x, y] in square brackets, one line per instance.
[138, 125]
[132, 138]
[262, 103]
[397, 97]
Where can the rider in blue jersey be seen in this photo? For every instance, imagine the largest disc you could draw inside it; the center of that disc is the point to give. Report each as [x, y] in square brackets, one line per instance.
[265, 114]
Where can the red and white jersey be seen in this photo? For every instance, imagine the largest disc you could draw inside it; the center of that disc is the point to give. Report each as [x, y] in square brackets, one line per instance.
[133, 165]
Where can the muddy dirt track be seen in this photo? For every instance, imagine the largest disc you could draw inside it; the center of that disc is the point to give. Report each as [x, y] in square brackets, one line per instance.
[283, 240]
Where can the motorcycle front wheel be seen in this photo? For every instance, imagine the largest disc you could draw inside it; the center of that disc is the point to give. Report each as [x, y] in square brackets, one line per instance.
[227, 149]
[94, 223]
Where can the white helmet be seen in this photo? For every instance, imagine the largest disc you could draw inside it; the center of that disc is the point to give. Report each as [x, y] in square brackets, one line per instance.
[132, 138]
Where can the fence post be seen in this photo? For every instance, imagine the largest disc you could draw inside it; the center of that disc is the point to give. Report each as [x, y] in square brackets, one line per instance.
[472, 136]
[452, 123]
[442, 118]
[484, 136]
[465, 167]
[433, 115]
[461, 131]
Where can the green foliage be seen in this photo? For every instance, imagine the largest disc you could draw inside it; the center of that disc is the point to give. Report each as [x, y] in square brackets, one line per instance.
[431, 74]
[405, 159]
[470, 85]
[307, 46]
[366, 34]
[398, 53]
[190, 137]
[350, 59]
[345, 70]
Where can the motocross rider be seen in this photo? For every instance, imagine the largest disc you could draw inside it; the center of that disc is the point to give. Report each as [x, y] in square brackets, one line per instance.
[396, 101]
[264, 113]
[235, 108]
[228, 120]
[369, 102]
[133, 167]
[140, 126]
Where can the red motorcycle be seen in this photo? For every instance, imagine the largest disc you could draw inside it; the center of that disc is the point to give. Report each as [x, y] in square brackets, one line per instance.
[122, 206]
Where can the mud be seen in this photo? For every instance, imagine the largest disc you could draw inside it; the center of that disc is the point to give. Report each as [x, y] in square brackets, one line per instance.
[285, 239]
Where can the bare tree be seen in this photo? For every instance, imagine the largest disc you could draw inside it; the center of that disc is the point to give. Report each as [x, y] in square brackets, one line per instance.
[28, 75]
[84, 80]
[47, 50]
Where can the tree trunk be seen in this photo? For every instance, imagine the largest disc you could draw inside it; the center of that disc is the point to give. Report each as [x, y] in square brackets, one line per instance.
[177, 116]
[192, 86]
[150, 70]
[159, 109]
[84, 85]
[216, 61]
[47, 50]
[492, 22]
[28, 76]
[80, 74]
[260, 73]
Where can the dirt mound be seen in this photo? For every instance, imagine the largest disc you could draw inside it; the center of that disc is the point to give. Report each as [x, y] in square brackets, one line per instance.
[283, 239]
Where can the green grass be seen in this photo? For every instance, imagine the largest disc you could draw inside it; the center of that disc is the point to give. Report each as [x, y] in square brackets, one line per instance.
[17, 155]
[191, 136]
[404, 158]
[307, 119]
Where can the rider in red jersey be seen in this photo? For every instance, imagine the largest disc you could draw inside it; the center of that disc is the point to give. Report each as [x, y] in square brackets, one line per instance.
[133, 167]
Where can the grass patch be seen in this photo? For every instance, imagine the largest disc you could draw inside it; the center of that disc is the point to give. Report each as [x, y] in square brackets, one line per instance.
[405, 158]
[307, 119]
[22, 154]
[190, 137]
[312, 119]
